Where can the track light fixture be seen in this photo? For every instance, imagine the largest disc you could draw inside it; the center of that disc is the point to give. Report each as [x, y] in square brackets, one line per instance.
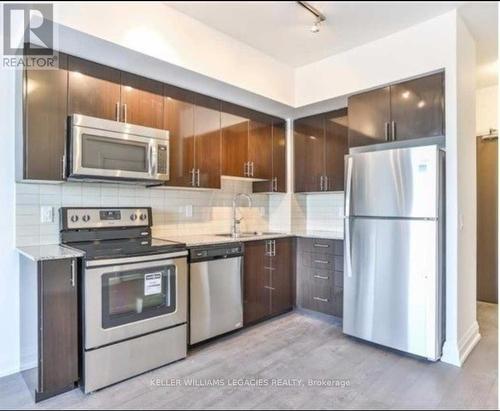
[319, 17]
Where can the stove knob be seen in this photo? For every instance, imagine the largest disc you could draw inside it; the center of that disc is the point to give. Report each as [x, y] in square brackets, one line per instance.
[86, 218]
[74, 218]
[133, 217]
[143, 217]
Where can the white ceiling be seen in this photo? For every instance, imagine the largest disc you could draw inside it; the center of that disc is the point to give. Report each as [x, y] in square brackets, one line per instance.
[281, 28]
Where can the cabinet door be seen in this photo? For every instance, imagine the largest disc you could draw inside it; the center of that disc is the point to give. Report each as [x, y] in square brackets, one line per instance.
[93, 89]
[235, 127]
[179, 121]
[279, 156]
[45, 122]
[58, 325]
[309, 146]
[282, 275]
[207, 141]
[417, 108]
[369, 117]
[260, 148]
[335, 149]
[141, 101]
[257, 292]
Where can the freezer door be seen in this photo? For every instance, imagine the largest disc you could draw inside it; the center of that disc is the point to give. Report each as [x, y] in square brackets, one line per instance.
[393, 183]
[392, 285]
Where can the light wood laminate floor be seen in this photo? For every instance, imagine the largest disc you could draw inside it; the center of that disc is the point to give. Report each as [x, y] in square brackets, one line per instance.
[295, 346]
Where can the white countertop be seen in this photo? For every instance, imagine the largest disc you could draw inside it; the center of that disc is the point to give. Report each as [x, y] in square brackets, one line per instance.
[49, 252]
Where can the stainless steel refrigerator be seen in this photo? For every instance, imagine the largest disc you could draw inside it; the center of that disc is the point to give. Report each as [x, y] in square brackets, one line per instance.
[394, 249]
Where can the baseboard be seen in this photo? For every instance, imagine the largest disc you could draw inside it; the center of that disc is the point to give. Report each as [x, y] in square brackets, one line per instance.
[456, 353]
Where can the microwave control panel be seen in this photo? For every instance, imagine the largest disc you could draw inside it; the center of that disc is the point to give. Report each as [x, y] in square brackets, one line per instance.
[162, 159]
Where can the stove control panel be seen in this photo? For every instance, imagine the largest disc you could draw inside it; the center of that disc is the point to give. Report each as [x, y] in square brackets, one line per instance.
[73, 218]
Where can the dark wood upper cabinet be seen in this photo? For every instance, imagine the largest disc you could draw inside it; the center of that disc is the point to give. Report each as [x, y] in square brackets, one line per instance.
[141, 101]
[402, 111]
[45, 122]
[207, 141]
[279, 156]
[260, 148]
[369, 117]
[309, 147]
[235, 128]
[336, 147]
[93, 89]
[179, 121]
[417, 108]
[257, 292]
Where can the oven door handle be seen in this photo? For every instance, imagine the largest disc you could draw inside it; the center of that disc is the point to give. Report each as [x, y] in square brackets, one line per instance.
[134, 260]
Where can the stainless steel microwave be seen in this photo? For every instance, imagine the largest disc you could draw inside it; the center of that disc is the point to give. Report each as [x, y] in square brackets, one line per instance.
[110, 150]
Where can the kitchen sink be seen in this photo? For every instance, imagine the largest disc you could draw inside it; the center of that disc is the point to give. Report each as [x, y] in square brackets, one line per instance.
[249, 234]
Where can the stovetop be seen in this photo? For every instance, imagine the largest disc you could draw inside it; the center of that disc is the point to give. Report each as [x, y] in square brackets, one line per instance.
[129, 247]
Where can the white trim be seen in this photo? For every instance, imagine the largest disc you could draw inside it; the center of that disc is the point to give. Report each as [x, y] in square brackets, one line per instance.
[456, 354]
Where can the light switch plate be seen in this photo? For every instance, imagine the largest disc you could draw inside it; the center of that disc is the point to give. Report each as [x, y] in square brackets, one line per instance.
[46, 214]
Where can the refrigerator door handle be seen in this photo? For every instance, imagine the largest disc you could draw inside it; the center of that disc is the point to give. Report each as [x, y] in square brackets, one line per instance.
[348, 184]
[348, 264]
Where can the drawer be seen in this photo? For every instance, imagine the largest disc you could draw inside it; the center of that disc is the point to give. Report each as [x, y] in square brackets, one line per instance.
[322, 246]
[322, 261]
[327, 299]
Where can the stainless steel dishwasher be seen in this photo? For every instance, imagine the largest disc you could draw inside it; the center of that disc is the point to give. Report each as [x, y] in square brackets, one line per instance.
[215, 291]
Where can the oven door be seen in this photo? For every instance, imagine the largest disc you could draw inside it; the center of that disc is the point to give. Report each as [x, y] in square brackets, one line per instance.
[97, 153]
[127, 299]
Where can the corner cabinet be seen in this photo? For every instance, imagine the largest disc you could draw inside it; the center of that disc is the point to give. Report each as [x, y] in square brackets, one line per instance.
[268, 279]
[320, 144]
[49, 325]
[404, 111]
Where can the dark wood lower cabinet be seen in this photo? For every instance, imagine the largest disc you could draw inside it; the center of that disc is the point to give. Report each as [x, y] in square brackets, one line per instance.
[268, 279]
[320, 275]
[49, 325]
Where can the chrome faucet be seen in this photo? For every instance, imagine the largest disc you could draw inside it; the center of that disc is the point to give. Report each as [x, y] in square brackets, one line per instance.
[235, 227]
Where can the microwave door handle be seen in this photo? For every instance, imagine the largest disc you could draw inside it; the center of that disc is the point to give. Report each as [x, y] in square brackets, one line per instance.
[153, 164]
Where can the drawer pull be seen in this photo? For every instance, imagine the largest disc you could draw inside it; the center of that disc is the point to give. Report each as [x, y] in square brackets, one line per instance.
[321, 245]
[322, 261]
[322, 277]
[323, 300]
[269, 268]
[269, 288]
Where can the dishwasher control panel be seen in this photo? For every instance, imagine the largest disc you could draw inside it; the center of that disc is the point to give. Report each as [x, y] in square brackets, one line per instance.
[204, 253]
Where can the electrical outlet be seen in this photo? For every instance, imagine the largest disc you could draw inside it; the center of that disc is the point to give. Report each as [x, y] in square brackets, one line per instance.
[188, 211]
[46, 214]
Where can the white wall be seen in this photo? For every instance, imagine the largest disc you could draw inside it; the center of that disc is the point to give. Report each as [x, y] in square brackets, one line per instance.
[486, 109]
[154, 29]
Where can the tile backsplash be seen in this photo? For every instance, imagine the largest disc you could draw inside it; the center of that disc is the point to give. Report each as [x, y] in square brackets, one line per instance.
[318, 212]
[175, 212]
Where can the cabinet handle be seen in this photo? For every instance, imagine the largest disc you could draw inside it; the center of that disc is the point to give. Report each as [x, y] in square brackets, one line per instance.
[321, 245]
[73, 273]
[274, 248]
[124, 113]
[321, 261]
[321, 183]
[197, 177]
[245, 168]
[117, 111]
[326, 183]
[193, 177]
[323, 300]
[393, 130]
[63, 164]
[275, 184]
[269, 287]
[386, 127]
[322, 277]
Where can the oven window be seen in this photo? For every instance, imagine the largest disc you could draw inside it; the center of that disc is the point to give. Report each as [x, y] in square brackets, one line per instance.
[135, 295]
[112, 154]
